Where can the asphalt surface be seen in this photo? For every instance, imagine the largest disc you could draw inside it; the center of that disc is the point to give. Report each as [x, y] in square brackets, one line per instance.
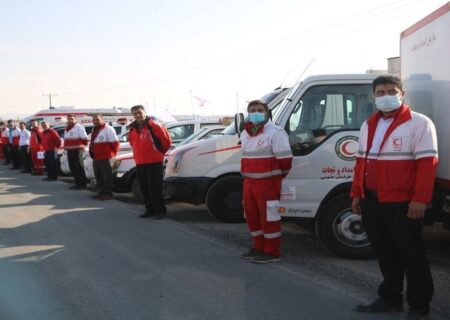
[64, 255]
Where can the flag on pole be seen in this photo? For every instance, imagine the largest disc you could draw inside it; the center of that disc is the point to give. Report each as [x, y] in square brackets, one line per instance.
[201, 101]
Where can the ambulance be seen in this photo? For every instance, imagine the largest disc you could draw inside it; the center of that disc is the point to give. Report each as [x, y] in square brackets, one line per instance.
[58, 116]
[322, 116]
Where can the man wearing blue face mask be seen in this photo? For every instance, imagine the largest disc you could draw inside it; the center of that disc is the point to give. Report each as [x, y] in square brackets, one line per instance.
[266, 160]
[392, 184]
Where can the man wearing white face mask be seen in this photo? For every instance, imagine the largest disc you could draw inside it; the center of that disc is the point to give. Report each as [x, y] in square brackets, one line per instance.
[392, 184]
[266, 160]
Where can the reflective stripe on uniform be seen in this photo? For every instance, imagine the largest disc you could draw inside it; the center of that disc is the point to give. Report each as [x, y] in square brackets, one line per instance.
[259, 175]
[272, 235]
[283, 154]
[431, 152]
[389, 154]
[258, 153]
[256, 233]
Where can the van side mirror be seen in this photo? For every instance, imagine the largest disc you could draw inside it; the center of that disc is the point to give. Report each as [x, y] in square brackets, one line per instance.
[239, 123]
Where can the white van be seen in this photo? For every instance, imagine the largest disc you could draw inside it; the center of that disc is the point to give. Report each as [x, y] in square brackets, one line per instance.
[120, 129]
[209, 171]
[322, 116]
[124, 166]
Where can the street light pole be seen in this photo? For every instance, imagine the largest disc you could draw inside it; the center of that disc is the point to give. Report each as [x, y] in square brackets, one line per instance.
[50, 98]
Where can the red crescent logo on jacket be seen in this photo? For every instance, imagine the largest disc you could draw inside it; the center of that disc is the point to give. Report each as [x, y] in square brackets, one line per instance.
[397, 143]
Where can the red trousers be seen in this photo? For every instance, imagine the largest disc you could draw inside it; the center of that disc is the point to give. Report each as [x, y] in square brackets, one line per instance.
[261, 200]
[38, 164]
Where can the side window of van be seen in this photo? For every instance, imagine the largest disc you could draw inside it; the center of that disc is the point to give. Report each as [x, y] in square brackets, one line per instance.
[181, 132]
[324, 110]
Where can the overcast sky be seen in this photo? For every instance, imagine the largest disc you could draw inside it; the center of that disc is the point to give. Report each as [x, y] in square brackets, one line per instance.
[177, 54]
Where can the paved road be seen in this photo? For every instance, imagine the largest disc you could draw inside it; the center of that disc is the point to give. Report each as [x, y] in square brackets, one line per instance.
[66, 256]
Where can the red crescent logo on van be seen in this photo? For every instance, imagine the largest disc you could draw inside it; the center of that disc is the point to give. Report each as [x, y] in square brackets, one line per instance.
[346, 148]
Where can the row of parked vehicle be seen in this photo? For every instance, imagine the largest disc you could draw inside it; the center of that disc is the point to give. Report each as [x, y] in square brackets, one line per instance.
[124, 167]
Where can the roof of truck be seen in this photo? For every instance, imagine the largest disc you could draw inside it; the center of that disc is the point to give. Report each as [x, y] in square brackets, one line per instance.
[344, 77]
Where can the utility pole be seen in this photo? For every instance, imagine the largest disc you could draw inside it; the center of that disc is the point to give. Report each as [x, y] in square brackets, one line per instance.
[192, 104]
[50, 98]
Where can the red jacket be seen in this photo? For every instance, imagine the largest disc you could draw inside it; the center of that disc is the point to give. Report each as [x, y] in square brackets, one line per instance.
[104, 144]
[144, 148]
[15, 136]
[75, 137]
[265, 153]
[36, 139]
[50, 140]
[405, 165]
[5, 135]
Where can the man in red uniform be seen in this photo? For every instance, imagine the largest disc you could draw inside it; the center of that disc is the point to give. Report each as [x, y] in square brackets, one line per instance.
[150, 141]
[50, 143]
[104, 146]
[4, 133]
[392, 184]
[75, 140]
[14, 137]
[36, 150]
[266, 160]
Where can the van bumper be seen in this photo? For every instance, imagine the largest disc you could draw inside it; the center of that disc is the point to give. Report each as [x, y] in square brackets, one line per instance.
[191, 190]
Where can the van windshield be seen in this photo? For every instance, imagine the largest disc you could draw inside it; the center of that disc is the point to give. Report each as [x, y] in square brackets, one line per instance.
[325, 109]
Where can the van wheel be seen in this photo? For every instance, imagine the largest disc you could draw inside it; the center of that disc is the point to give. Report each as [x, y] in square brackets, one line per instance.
[341, 231]
[224, 199]
[136, 190]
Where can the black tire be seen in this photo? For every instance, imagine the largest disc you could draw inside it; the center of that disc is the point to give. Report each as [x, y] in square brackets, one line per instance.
[341, 231]
[224, 199]
[136, 190]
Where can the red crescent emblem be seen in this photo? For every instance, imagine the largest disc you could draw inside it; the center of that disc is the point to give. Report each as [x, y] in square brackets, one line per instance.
[344, 148]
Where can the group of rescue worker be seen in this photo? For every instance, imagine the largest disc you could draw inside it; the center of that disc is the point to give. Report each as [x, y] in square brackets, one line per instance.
[26, 149]
[35, 151]
[392, 183]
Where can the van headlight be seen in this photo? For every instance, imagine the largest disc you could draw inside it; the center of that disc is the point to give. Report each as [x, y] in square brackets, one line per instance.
[177, 159]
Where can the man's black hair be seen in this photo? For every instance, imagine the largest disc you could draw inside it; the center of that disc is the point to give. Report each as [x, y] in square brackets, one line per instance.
[387, 79]
[258, 102]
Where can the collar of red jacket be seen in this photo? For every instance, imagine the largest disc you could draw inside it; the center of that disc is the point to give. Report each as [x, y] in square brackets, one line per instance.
[402, 115]
[135, 123]
[100, 127]
[70, 126]
[250, 125]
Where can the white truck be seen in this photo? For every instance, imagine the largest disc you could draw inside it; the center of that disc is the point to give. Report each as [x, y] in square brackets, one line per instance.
[322, 116]
[425, 71]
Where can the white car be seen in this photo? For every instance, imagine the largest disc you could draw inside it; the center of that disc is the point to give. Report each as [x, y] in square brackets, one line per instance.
[124, 167]
[121, 131]
[178, 131]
